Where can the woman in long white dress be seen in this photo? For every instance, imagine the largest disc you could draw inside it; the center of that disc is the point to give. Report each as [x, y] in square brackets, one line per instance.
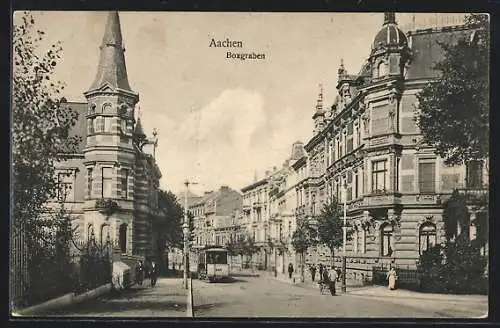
[392, 277]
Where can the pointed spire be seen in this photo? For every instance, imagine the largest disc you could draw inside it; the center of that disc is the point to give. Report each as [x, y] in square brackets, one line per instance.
[112, 69]
[139, 131]
[389, 18]
[341, 70]
[319, 102]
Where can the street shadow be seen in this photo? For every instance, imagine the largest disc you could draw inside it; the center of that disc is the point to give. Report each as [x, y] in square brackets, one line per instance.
[208, 306]
[230, 280]
[254, 275]
[122, 306]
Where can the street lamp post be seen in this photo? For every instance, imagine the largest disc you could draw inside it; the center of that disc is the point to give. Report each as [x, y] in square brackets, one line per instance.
[344, 228]
[185, 229]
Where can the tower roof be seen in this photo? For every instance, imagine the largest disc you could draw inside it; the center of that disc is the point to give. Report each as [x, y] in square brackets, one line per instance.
[390, 34]
[139, 131]
[112, 69]
[297, 151]
[319, 103]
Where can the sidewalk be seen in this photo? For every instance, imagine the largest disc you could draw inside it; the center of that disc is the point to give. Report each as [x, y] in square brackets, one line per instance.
[383, 291]
[167, 299]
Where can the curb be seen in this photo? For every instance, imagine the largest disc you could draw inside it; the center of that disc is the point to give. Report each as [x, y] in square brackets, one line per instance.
[189, 303]
[410, 297]
[62, 301]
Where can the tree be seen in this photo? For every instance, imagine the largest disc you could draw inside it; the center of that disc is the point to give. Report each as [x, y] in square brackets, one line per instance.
[237, 247]
[329, 227]
[168, 226]
[250, 248]
[453, 111]
[303, 237]
[41, 121]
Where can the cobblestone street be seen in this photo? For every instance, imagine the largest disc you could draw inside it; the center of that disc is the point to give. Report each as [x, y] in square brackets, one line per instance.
[268, 297]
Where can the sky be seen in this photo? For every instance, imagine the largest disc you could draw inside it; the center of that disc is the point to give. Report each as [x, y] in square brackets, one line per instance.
[221, 121]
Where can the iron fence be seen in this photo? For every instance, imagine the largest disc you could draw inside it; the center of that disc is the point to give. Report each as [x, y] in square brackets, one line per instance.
[407, 278]
[49, 273]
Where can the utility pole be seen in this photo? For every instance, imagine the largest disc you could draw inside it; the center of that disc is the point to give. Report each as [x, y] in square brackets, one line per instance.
[185, 228]
[344, 228]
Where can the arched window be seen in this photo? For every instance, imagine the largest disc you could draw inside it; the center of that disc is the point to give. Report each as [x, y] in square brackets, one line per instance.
[104, 235]
[382, 69]
[386, 240]
[427, 236]
[90, 231]
[123, 238]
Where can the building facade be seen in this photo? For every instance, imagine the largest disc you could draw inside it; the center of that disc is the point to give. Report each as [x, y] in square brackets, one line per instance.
[368, 151]
[110, 186]
[216, 216]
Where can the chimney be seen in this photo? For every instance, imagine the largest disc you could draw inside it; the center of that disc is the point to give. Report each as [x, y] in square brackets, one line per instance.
[275, 169]
[267, 173]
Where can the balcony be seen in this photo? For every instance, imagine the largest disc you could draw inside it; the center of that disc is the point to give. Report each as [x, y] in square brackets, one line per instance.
[381, 198]
[246, 208]
[474, 196]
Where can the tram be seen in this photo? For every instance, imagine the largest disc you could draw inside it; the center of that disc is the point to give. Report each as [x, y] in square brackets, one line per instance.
[213, 264]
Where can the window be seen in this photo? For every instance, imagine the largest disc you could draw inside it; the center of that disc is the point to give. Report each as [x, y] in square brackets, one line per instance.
[363, 241]
[426, 176]
[337, 190]
[313, 205]
[90, 126]
[124, 183]
[474, 174]
[396, 176]
[379, 172]
[123, 238]
[380, 119]
[355, 240]
[107, 181]
[382, 69]
[348, 182]
[427, 237]
[356, 189]
[350, 142]
[386, 245]
[65, 187]
[90, 181]
[108, 124]
[289, 227]
[358, 131]
[99, 124]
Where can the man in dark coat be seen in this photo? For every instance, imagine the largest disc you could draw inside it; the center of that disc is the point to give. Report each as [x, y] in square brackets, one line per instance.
[153, 274]
[290, 270]
[312, 268]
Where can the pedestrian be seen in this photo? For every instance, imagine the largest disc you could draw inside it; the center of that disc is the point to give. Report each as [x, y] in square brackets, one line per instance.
[320, 269]
[333, 277]
[153, 274]
[313, 271]
[139, 271]
[324, 280]
[392, 277]
[290, 270]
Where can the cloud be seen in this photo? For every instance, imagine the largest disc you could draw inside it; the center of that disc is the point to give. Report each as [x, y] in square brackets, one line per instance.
[212, 144]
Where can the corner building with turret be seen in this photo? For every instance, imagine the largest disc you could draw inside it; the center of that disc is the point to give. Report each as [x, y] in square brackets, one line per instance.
[112, 189]
[367, 149]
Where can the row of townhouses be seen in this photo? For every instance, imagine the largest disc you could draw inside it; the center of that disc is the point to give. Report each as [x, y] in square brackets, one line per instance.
[366, 149]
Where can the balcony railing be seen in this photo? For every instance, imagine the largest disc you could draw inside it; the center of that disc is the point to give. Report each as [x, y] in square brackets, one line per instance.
[474, 196]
